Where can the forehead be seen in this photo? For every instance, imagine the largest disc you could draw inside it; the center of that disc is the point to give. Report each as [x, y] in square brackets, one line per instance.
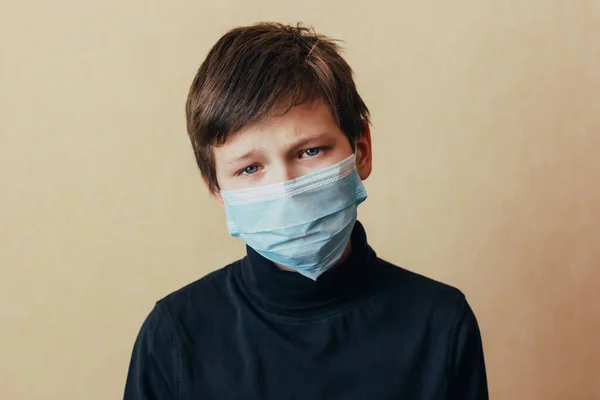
[299, 123]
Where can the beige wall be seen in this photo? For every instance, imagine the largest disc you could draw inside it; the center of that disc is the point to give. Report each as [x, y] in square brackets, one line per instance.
[487, 175]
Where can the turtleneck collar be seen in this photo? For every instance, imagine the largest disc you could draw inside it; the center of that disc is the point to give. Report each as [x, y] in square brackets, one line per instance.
[289, 293]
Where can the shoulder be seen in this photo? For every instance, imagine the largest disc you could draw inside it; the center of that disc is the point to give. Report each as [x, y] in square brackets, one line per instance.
[417, 285]
[419, 294]
[209, 296]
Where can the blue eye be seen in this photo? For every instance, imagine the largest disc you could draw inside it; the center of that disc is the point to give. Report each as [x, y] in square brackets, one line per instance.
[250, 170]
[312, 152]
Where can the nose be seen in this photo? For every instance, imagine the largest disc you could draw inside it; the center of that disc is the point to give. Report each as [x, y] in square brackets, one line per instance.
[284, 171]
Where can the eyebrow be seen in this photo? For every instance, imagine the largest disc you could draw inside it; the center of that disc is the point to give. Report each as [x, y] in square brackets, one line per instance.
[306, 140]
[300, 143]
[244, 156]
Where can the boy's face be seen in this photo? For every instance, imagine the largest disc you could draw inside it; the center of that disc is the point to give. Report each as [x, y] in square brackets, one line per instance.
[302, 141]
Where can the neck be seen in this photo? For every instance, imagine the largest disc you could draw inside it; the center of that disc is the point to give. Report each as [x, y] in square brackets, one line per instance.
[292, 294]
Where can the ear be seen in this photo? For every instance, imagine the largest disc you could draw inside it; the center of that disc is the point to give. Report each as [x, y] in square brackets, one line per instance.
[364, 156]
[216, 194]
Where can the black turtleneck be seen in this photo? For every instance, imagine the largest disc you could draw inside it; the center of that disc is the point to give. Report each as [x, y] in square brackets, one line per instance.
[365, 329]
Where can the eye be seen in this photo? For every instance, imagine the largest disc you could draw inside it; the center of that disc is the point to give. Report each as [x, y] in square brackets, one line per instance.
[249, 170]
[312, 152]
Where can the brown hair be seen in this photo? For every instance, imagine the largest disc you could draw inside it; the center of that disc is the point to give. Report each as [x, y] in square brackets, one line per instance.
[252, 70]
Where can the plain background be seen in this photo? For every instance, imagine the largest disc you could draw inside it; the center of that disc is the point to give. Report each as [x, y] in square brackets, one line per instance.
[486, 133]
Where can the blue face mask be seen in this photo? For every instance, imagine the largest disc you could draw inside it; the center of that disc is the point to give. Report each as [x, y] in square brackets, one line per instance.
[305, 223]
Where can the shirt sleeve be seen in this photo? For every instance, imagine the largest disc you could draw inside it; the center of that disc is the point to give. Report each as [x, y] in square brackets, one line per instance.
[154, 362]
[468, 379]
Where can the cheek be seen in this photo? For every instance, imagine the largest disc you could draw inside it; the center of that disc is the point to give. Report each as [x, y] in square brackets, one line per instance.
[342, 151]
[334, 155]
[225, 182]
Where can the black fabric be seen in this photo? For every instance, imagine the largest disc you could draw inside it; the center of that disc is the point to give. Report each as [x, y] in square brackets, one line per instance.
[365, 329]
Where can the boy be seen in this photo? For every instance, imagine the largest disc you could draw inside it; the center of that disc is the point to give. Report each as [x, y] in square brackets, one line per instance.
[282, 140]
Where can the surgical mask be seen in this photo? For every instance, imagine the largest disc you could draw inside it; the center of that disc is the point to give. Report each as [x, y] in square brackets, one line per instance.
[305, 223]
